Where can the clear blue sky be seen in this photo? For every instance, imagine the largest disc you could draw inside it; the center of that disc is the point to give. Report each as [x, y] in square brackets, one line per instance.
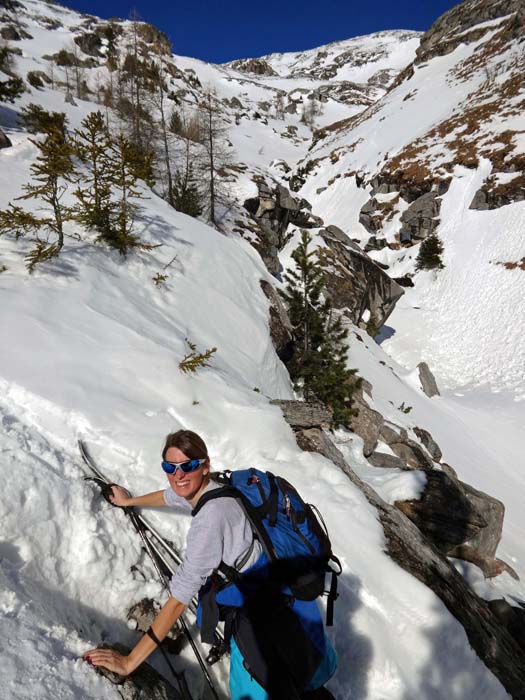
[219, 31]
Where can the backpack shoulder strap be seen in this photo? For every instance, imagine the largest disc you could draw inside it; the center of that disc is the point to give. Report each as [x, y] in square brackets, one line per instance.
[223, 492]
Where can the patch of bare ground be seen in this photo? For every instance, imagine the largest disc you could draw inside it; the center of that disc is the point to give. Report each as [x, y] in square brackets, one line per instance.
[513, 265]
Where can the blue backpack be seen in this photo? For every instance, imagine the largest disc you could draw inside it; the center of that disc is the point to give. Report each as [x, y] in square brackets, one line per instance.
[292, 533]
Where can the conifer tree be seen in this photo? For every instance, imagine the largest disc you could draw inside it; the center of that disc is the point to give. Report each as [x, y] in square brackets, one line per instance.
[93, 146]
[430, 252]
[123, 177]
[318, 366]
[52, 171]
[186, 194]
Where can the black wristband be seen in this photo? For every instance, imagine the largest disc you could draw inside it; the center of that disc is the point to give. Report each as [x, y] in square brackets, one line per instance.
[151, 634]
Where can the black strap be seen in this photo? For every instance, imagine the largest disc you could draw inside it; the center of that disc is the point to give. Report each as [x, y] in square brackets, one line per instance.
[332, 597]
[151, 634]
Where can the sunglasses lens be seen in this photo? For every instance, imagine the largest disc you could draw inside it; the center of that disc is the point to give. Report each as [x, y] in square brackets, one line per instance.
[187, 467]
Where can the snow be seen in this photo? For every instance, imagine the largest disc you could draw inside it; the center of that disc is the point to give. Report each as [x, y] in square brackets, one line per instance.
[92, 348]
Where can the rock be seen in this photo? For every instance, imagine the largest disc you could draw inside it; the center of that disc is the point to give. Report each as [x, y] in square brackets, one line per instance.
[412, 454]
[385, 461]
[430, 444]
[304, 414]
[511, 617]
[480, 201]
[490, 566]
[4, 140]
[279, 321]
[428, 381]
[356, 284]
[449, 470]
[420, 217]
[143, 684]
[409, 548]
[144, 613]
[367, 424]
[390, 436]
[486, 541]
[443, 513]
[405, 281]
[257, 66]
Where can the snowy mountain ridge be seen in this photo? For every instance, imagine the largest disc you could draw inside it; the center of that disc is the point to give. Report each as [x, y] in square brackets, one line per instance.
[93, 348]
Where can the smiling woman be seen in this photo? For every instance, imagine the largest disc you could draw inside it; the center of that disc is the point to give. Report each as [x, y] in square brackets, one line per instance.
[223, 554]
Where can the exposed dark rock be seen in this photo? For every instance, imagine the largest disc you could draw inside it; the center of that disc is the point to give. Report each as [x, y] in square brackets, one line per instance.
[375, 243]
[480, 201]
[356, 284]
[4, 140]
[12, 33]
[511, 617]
[143, 684]
[487, 539]
[489, 566]
[451, 29]
[428, 381]
[412, 454]
[407, 546]
[144, 613]
[429, 442]
[385, 461]
[405, 281]
[391, 436]
[304, 414]
[90, 43]
[257, 66]
[493, 196]
[274, 210]
[443, 512]
[280, 326]
[420, 217]
[367, 424]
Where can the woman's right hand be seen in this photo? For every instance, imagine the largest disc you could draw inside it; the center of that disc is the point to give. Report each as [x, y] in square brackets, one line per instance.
[119, 496]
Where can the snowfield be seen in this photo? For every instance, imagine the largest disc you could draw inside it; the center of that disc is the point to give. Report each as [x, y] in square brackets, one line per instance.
[90, 349]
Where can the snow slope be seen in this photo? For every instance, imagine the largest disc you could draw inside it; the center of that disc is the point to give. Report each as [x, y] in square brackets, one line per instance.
[91, 349]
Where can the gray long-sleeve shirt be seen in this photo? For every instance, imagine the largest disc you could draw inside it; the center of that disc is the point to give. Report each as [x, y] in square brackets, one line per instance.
[219, 532]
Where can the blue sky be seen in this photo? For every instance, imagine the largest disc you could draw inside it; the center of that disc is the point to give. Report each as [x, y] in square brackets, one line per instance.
[221, 31]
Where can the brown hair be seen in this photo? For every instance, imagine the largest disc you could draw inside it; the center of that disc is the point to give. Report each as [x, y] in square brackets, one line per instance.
[188, 442]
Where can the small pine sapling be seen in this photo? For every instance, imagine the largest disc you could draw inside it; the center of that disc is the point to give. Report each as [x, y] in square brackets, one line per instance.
[430, 252]
[159, 279]
[194, 360]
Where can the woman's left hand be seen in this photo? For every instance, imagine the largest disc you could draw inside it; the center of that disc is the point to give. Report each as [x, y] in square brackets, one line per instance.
[109, 659]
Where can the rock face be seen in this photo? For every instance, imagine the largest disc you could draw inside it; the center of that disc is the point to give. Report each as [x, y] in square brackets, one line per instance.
[304, 414]
[355, 283]
[445, 514]
[257, 66]
[428, 381]
[450, 29]
[488, 636]
[274, 209]
[280, 326]
[420, 219]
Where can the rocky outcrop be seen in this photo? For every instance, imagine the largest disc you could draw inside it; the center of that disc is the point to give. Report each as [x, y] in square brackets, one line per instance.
[420, 219]
[414, 553]
[304, 414]
[280, 326]
[492, 196]
[257, 66]
[355, 283]
[428, 381]
[273, 210]
[458, 25]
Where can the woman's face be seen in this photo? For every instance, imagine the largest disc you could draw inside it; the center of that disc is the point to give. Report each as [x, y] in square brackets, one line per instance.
[185, 485]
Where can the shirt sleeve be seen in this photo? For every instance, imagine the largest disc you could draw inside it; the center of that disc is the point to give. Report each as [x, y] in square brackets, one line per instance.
[204, 552]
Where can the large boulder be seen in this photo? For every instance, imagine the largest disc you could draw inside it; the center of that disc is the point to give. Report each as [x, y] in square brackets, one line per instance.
[367, 424]
[356, 284]
[420, 219]
[304, 414]
[428, 381]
